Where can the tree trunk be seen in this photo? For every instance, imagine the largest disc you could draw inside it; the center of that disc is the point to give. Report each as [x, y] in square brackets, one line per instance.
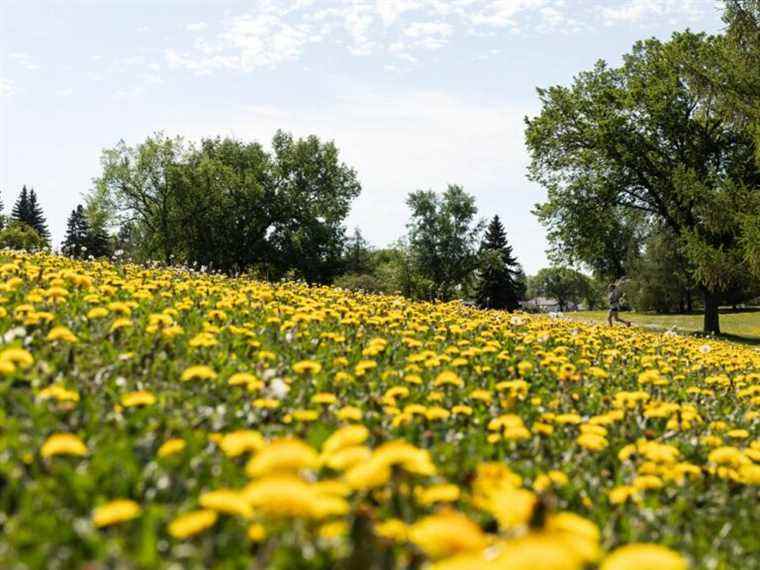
[689, 304]
[712, 317]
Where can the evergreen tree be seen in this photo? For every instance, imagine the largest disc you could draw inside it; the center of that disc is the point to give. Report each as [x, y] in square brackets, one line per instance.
[357, 256]
[28, 211]
[98, 241]
[37, 217]
[501, 282]
[76, 241]
[20, 212]
[83, 238]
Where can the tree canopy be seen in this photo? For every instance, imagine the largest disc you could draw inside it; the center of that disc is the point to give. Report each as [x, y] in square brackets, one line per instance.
[649, 140]
[230, 205]
[443, 235]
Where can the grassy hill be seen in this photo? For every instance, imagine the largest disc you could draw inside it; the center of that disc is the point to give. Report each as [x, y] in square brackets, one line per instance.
[158, 418]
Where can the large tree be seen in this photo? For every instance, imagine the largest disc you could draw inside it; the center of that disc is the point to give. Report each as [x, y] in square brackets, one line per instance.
[314, 190]
[500, 284]
[649, 138]
[443, 235]
[231, 205]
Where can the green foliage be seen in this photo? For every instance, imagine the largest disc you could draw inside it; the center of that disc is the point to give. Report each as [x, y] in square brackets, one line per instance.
[661, 279]
[443, 234]
[18, 235]
[137, 184]
[563, 284]
[649, 140]
[229, 205]
[366, 282]
[500, 285]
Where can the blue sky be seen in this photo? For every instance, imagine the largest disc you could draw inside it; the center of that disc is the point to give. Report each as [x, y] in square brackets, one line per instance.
[415, 93]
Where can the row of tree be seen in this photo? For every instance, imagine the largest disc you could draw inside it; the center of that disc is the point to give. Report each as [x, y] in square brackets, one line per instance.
[26, 228]
[233, 207]
[445, 255]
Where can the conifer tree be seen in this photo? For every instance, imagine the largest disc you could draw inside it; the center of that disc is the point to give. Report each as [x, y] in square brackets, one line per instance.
[28, 211]
[84, 239]
[37, 217]
[500, 285]
[20, 212]
[75, 243]
[98, 241]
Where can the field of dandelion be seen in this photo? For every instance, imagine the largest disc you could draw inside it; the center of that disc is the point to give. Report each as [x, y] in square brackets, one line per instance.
[157, 418]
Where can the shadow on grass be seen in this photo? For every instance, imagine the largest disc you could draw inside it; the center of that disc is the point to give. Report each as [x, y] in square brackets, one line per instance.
[735, 338]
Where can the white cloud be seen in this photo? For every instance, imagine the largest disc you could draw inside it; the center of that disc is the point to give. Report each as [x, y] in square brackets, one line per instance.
[502, 13]
[24, 60]
[67, 92]
[390, 10]
[275, 32]
[266, 40]
[638, 11]
[7, 87]
[403, 141]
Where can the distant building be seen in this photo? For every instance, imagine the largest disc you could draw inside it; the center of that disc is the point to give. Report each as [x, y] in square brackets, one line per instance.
[547, 305]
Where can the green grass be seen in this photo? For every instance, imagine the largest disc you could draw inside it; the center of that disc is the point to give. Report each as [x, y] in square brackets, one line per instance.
[739, 326]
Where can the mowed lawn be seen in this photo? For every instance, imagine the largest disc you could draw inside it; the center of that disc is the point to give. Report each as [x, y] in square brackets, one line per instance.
[741, 326]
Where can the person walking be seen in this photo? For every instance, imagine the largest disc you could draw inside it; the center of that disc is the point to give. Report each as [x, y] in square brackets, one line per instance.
[614, 296]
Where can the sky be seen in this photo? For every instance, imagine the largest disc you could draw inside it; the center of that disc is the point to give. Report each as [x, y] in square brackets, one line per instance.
[416, 94]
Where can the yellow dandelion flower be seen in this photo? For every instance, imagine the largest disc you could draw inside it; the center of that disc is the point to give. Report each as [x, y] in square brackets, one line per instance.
[171, 447]
[18, 357]
[63, 444]
[283, 456]
[256, 532]
[97, 313]
[63, 334]
[198, 372]
[226, 501]
[139, 398]
[237, 443]
[347, 436]
[644, 557]
[120, 323]
[447, 534]
[115, 512]
[307, 367]
[192, 523]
